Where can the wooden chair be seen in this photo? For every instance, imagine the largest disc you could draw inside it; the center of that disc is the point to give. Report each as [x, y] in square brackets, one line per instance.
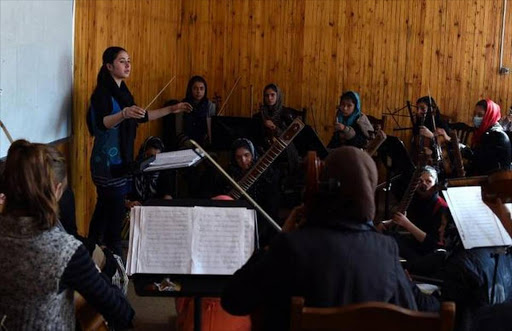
[301, 113]
[377, 123]
[463, 131]
[369, 316]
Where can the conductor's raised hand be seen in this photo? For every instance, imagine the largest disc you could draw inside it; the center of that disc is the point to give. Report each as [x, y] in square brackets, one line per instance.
[133, 112]
[182, 107]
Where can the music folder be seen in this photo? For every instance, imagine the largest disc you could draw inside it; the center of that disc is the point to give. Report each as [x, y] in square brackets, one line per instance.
[308, 140]
[226, 129]
[172, 160]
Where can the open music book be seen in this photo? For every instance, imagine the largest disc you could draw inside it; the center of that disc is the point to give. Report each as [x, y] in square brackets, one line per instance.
[190, 240]
[173, 160]
[476, 223]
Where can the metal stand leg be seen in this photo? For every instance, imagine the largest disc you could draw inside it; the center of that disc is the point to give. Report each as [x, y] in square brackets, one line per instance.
[197, 313]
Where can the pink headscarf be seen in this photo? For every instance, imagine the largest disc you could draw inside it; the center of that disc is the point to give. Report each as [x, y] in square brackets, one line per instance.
[491, 117]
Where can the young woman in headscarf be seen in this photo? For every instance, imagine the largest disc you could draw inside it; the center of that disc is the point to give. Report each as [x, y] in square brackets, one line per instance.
[336, 258]
[352, 127]
[490, 144]
[265, 191]
[273, 116]
[112, 119]
[426, 222]
[154, 184]
[196, 125]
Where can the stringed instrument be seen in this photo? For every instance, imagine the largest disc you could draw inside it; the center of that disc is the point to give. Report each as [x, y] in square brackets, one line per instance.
[266, 160]
[315, 166]
[375, 143]
[498, 185]
[88, 319]
[458, 164]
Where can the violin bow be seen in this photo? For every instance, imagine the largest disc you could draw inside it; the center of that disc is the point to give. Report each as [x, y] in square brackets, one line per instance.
[163, 89]
[6, 132]
[229, 95]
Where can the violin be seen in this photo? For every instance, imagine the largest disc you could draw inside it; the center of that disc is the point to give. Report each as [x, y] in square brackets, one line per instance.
[498, 185]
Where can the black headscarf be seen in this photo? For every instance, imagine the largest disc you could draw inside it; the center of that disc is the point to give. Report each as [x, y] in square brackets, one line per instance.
[195, 121]
[273, 113]
[235, 170]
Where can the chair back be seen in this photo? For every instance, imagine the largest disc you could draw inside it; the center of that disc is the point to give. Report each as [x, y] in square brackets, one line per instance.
[368, 316]
[377, 123]
[300, 113]
[463, 131]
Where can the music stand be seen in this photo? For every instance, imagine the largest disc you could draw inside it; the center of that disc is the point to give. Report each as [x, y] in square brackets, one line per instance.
[192, 285]
[397, 161]
[226, 129]
[308, 140]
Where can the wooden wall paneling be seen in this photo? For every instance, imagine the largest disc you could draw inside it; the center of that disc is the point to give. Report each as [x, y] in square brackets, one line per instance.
[493, 19]
[389, 51]
[403, 86]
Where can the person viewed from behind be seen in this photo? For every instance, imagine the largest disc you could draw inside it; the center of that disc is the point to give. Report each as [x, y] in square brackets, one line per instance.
[335, 258]
[41, 264]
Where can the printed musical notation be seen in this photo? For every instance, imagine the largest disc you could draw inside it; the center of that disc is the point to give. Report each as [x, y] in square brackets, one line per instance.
[190, 240]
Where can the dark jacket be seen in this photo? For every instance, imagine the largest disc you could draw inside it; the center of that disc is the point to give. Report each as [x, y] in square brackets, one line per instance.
[327, 265]
[468, 278]
[493, 152]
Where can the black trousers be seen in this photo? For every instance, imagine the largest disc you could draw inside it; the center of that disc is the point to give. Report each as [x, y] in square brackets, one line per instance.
[107, 220]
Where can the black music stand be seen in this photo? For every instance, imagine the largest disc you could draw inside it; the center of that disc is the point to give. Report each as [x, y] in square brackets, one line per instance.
[397, 161]
[308, 140]
[192, 285]
[226, 129]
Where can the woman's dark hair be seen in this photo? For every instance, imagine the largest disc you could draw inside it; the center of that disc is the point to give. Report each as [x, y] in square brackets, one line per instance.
[429, 101]
[191, 82]
[109, 55]
[31, 173]
[482, 103]
[349, 95]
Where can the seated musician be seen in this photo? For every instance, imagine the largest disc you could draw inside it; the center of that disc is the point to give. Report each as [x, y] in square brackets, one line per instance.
[150, 185]
[496, 317]
[352, 127]
[265, 191]
[490, 145]
[36, 285]
[428, 125]
[426, 222]
[274, 118]
[273, 115]
[196, 124]
[506, 122]
[336, 257]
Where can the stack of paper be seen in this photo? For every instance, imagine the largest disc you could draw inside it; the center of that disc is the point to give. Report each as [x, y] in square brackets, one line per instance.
[174, 160]
[190, 240]
[476, 223]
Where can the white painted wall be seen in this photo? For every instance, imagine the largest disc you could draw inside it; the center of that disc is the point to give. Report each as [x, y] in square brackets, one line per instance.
[36, 69]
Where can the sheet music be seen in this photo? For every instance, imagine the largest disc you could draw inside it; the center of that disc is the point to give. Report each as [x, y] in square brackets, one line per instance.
[190, 240]
[165, 241]
[476, 223]
[222, 243]
[174, 160]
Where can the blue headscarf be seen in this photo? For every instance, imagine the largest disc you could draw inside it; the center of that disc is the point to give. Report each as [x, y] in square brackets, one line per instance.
[349, 121]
